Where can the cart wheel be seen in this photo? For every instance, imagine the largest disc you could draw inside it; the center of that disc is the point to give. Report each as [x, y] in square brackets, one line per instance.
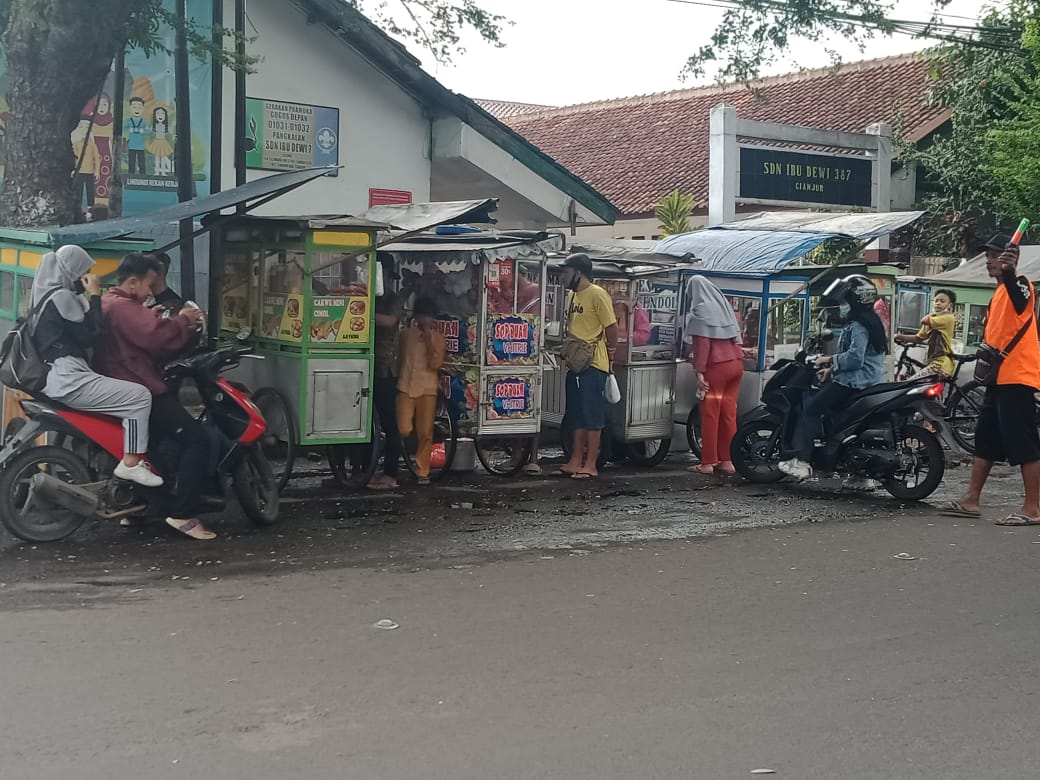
[280, 441]
[693, 431]
[445, 437]
[606, 446]
[503, 456]
[649, 453]
[353, 465]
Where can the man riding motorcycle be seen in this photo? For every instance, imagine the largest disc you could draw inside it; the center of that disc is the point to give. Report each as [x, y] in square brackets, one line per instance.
[857, 365]
[138, 343]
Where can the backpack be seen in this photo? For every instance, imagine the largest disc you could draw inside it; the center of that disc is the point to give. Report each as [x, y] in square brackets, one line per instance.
[20, 365]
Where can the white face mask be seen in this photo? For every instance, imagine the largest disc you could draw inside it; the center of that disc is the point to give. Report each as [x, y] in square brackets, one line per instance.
[149, 302]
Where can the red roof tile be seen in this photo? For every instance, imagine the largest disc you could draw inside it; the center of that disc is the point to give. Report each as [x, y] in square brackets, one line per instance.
[636, 150]
[504, 109]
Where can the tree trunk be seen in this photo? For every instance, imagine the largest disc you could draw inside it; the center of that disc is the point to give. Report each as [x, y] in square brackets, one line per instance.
[58, 55]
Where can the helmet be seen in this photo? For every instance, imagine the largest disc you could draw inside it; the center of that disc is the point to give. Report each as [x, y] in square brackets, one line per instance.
[853, 290]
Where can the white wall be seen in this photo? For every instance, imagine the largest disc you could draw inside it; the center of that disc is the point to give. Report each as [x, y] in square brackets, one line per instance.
[384, 137]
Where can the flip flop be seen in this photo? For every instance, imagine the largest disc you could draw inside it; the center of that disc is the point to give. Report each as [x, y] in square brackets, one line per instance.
[562, 473]
[1019, 519]
[584, 475]
[954, 509]
[533, 470]
[192, 528]
[700, 469]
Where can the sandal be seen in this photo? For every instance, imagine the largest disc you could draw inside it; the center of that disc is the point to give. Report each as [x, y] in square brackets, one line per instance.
[954, 509]
[533, 470]
[1018, 519]
[192, 528]
[701, 469]
[584, 475]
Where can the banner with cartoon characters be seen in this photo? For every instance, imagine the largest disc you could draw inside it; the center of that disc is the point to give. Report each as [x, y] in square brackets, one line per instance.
[149, 128]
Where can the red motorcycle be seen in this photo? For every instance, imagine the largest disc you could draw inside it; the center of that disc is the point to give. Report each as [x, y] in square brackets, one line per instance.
[56, 468]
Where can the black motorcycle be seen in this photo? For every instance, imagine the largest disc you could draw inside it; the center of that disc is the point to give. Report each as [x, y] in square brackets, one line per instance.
[889, 432]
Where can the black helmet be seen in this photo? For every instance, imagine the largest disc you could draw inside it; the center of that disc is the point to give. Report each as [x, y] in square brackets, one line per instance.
[853, 290]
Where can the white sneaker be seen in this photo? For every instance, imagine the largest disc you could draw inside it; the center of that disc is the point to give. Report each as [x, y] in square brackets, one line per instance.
[861, 484]
[139, 474]
[798, 469]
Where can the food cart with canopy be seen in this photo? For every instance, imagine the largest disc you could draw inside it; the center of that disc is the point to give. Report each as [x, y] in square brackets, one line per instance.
[645, 289]
[489, 291]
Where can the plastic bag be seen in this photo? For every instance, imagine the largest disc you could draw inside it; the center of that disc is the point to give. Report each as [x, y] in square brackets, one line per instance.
[611, 391]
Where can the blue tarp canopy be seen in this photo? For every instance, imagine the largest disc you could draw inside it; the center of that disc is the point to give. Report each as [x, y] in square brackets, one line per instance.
[771, 241]
[248, 194]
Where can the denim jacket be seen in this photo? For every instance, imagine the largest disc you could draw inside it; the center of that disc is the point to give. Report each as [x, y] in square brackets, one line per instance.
[857, 364]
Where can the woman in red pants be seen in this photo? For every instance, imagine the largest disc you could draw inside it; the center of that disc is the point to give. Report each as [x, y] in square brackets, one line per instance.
[714, 337]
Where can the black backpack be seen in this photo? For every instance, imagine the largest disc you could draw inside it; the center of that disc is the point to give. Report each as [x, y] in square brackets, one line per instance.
[20, 364]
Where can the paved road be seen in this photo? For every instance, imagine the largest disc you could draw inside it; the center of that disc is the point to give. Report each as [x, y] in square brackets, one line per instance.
[806, 648]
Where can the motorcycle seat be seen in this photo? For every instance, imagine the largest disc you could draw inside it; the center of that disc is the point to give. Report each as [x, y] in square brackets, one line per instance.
[887, 387]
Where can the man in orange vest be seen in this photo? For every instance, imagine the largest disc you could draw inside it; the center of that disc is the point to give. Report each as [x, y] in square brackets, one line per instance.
[1006, 428]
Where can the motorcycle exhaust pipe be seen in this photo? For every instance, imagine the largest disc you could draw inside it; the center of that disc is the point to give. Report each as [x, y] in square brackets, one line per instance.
[62, 494]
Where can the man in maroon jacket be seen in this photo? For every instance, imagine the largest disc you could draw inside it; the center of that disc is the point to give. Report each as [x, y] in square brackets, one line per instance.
[138, 343]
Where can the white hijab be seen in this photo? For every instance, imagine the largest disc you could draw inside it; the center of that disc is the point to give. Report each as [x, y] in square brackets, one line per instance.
[709, 314]
[60, 271]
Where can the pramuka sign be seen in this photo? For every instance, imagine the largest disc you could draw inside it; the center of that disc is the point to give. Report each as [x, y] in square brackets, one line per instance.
[781, 175]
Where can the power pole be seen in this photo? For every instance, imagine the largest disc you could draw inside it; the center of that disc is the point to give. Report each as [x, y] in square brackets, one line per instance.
[182, 152]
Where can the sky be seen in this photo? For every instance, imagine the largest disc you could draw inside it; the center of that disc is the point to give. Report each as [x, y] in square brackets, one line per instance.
[562, 52]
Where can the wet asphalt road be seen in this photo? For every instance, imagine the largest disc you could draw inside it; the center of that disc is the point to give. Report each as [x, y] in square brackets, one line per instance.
[653, 625]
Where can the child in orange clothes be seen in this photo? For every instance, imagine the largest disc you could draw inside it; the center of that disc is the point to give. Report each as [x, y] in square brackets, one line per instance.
[421, 353]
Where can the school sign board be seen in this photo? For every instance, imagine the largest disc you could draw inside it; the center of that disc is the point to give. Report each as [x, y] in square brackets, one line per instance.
[782, 175]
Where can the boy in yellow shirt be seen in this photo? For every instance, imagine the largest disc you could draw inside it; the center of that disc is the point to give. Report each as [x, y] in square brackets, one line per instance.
[937, 332]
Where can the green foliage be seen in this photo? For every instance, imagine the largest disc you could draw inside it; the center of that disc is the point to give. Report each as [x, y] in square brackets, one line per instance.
[972, 178]
[836, 251]
[754, 33]
[674, 212]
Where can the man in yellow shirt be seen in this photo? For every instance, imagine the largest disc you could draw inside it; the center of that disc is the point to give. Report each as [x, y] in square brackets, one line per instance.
[590, 318]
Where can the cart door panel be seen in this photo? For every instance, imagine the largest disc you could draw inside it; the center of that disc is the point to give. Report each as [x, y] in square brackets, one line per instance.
[510, 402]
[645, 411]
[339, 398]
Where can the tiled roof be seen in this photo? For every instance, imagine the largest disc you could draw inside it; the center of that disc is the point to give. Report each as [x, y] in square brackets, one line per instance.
[504, 109]
[636, 150]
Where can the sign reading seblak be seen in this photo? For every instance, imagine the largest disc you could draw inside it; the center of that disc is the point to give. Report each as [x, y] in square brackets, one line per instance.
[778, 174]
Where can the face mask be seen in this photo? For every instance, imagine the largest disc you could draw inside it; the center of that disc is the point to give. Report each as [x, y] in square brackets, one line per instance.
[149, 302]
[844, 310]
[573, 286]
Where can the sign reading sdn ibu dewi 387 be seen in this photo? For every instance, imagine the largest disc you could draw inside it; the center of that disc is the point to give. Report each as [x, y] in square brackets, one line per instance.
[781, 175]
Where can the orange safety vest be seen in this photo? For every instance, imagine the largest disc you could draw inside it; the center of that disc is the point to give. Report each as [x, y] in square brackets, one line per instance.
[1022, 366]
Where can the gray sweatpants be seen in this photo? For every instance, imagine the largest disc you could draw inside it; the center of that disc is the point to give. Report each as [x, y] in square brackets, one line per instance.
[72, 382]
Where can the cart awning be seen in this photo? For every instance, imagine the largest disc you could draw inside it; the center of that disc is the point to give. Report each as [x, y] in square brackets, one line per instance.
[973, 273]
[414, 217]
[265, 188]
[772, 241]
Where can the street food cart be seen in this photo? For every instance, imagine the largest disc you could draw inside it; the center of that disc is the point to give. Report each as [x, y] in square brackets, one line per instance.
[20, 253]
[489, 291]
[645, 289]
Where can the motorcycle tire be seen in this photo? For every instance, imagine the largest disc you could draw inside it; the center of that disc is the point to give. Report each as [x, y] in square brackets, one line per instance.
[46, 524]
[256, 487]
[749, 457]
[280, 440]
[693, 431]
[932, 449]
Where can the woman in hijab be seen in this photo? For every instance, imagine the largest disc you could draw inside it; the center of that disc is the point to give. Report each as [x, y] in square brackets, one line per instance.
[715, 352]
[67, 328]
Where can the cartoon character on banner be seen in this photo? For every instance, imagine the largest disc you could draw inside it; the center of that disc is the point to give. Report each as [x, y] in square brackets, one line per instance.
[159, 144]
[134, 130]
[88, 162]
[100, 109]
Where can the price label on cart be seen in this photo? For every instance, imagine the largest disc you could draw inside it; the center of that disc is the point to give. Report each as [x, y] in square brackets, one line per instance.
[511, 398]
